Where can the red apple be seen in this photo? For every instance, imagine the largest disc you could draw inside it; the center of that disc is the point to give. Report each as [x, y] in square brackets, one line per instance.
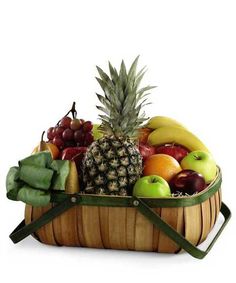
[187, 182]
[76, 154]
[146, 150]
[174, 150]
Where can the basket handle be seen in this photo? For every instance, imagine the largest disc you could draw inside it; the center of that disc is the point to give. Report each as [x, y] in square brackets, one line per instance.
[180, 240]
[23, 230]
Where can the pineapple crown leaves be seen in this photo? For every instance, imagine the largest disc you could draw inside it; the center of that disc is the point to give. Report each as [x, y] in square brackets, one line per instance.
[123, 99]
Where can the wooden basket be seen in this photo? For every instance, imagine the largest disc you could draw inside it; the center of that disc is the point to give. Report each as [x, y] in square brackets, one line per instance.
[127, 223]
[124, 227]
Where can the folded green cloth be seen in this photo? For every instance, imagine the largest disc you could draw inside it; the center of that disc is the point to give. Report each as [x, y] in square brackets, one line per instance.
[61, 171]
[13, 183]
[41, 159]
[35, 178]
[33, 197]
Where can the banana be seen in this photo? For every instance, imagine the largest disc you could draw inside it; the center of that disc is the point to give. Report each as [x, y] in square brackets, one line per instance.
[173, 134]
[162, 121]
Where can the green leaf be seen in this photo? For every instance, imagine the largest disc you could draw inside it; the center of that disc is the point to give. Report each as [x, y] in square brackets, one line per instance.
[104, 85]
[113, 73]
[104, 118]
[102, 74]
[106, 111]
[12, 183]
[143, 95]
[133, 68]
[104, 77]
[142, 90]
[39, 159]
[62, 169]
[33, 197]
[129, 103]
[105, 127]
[122, 100]
[123, 78]
[119, 92]
[139, 78]
[35, 176]
[114, 100]
[105, 102]
[101, 83]
[110, 96]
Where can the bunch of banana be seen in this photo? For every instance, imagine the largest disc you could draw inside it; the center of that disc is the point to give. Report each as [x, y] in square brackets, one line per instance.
[167, 130]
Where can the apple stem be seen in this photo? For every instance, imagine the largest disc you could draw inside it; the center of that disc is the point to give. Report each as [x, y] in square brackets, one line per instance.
[197, 157]
[153, 179]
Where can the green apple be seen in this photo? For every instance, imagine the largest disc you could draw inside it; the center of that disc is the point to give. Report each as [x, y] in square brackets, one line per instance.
[152, 186]
[201, 162]
[96, 133]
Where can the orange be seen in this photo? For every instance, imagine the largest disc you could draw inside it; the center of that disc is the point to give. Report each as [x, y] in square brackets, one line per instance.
[162, 165]
[52, 148]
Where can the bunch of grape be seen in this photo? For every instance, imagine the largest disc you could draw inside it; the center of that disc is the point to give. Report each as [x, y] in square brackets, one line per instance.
[71, 132]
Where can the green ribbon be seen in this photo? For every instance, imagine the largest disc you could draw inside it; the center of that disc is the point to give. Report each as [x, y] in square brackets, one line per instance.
[36, 177]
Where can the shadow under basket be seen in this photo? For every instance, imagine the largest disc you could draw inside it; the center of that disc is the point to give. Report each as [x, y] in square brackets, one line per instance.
[165, 225]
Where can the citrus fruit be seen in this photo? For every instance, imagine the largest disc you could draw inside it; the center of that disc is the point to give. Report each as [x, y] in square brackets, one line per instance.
[162, 165]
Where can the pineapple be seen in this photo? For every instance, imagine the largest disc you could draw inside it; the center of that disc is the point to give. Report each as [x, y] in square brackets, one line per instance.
[113, 163]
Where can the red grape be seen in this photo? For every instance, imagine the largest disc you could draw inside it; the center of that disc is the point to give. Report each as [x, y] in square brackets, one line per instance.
[65, 122]
[79, 136]
[88, 139]
[58, 142]
[58, 131]
[71, 132]
[87, 126]
[54, 131]
[70, 144]
[68, 134]
[75, 124]
[50, 134]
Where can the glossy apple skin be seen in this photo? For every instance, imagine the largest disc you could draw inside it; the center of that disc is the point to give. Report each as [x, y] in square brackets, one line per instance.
[187, 182]
[75, 154]
[151, 186]
[176, 151]
[201, 162]
[146, 150]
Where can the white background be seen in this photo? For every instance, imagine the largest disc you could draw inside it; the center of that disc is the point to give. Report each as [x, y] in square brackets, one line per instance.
[48, 53]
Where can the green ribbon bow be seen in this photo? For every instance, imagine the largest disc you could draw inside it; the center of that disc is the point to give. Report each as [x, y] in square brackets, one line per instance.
[35, 177]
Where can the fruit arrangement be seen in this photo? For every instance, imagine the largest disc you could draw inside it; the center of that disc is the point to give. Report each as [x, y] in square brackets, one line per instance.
[88, 181]
[172, 152]
[128, 154]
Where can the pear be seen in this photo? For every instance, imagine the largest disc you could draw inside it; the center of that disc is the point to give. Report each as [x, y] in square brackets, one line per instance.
[72, 182]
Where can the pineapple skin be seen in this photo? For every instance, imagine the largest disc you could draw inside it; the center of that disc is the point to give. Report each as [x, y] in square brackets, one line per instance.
[111, 166]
